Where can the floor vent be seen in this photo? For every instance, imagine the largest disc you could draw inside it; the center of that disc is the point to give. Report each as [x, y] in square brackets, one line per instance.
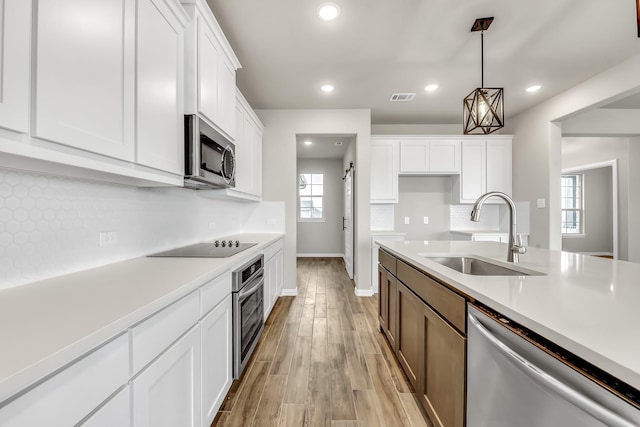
[402, 97]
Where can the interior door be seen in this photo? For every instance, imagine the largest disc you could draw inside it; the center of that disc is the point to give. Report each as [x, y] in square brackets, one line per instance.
[347, 222]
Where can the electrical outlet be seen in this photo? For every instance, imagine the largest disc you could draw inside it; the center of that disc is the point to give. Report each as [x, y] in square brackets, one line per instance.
[426, 220]
[212, 225]
[106, 238]
[406, 220]
[271, 221]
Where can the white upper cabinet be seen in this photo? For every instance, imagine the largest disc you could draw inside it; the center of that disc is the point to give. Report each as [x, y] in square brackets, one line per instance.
[15, 58]
[486, 166]
[384, 170]
[160, 62]
[211, 65]
[85, 75]
[429, 156]
[248, 149]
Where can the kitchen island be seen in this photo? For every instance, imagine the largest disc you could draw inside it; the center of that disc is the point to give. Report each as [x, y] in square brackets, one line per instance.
[584, 304]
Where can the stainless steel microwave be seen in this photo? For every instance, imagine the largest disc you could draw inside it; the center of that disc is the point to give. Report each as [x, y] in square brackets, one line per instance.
[209, 156]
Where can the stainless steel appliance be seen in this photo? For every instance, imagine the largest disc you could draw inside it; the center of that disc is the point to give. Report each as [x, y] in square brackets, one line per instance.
[209, 156]
[215, 249]
[517, 378]
[248, 311]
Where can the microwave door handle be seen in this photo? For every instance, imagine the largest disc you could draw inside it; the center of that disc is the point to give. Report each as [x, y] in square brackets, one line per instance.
[225, 175]
[549, 382]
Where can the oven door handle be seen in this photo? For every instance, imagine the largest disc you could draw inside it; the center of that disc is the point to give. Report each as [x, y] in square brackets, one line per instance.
[550, 383]
[251, 287]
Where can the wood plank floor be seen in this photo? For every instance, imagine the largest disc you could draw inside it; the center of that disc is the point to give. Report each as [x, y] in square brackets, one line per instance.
[322, 361]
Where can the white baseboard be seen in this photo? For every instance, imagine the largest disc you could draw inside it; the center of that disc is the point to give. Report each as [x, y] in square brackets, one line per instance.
[289, 293]
[320, 255]
[363, 292]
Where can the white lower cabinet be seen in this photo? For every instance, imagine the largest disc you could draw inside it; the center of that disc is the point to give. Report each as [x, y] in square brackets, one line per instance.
[115, 413]
[167, 392]
[273, 275]
[73, 393]
[217, 358]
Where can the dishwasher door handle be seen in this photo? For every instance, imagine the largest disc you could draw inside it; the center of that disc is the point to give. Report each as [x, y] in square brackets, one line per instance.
[551, 383]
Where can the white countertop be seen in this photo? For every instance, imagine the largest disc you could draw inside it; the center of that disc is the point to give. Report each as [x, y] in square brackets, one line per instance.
[47, 324]
[588, 305]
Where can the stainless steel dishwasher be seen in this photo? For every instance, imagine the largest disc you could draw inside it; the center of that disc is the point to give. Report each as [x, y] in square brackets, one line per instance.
[516, 378]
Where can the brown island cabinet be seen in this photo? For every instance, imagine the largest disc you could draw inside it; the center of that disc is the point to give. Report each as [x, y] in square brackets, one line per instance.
[424, 323]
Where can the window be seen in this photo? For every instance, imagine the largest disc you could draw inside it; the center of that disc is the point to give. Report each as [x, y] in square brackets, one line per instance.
[572, 204]
[310, 192]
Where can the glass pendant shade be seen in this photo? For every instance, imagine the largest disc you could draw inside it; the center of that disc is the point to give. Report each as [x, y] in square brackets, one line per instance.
[484, 111]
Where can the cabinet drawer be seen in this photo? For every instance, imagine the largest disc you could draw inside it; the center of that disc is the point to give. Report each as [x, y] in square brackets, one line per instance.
[214, 292]
[152, 336]
[388, 261]
[450, 305]
[71, 394]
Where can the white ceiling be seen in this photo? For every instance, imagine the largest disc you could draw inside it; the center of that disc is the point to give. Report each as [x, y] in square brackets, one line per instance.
[322, 146]
[378, 47]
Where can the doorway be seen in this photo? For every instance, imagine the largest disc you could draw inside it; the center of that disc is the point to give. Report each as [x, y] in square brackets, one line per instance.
[324, 222]
[590, 209]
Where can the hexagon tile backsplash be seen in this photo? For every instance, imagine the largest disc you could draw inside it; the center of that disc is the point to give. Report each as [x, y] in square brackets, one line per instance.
[50, 225]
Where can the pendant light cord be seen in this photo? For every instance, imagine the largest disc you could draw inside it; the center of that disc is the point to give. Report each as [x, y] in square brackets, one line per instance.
[482, 59]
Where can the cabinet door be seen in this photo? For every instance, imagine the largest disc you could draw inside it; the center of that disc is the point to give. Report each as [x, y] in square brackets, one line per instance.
[248, 128]
[410, 333]
[257, 162]
[473, 172]
[243, 176]
[384, 171]
[414, 156]
[209, 54]
[269, 285]
[167, 393]
[442, 370]
[115, 413]
[444, 156]
[387, 307]
[217, 361]
[279, 274]
[15, 58]
[499, 166]
[85, 55]
[160, 122]
[227, 96]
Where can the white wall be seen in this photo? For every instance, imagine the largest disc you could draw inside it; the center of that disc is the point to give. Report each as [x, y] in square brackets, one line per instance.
[419, 197]
[536, 144]
[49, 225]
[634, 199]
[416, 129]
[324, 238]
[583, 151]
[279, 176]
[603, 121]
[598, 218]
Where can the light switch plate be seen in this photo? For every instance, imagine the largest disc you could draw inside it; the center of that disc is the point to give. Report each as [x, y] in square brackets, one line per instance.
[406, 220]
[426, 220]
[541, 203]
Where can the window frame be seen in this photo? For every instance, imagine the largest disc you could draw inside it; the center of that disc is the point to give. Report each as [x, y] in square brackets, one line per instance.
[321, 197]
[580, 207]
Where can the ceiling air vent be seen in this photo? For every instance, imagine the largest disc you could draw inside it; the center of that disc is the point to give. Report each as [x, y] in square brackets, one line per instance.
[401, 97]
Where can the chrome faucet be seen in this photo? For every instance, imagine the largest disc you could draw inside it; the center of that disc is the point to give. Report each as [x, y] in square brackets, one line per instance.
[515, 243]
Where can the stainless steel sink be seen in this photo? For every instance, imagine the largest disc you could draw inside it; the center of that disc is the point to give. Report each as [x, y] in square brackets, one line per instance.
[478, 267]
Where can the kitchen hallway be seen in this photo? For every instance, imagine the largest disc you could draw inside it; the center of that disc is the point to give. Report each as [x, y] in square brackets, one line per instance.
[321, 361]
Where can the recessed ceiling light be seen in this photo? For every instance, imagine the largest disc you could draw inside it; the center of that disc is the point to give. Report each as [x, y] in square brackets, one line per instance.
[329, 11]
[431, 87]
[308, 143]
[533, 88]
[327, 88]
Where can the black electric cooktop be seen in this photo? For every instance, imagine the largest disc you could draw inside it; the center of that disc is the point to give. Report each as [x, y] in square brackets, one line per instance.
[216, 249]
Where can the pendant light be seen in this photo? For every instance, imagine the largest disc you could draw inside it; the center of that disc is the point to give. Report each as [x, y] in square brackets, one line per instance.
[484, 107]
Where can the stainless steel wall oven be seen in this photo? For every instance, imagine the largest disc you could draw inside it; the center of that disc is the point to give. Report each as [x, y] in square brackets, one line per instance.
[248, 311]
